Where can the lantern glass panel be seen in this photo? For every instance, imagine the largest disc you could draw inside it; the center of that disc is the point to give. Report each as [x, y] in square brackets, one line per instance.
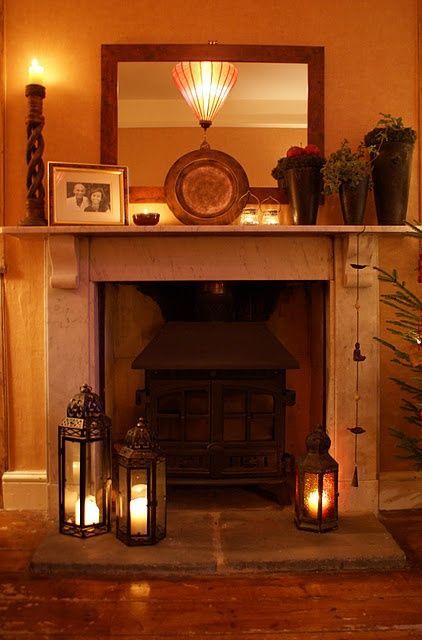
[91, 492]
[312, 497]
[161, 496]
[329, 490]
[72, 476]
[122, 501]
[139, 501]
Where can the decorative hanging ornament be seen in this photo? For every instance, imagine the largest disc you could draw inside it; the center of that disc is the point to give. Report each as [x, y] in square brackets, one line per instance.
[415, 349]
[358, 357]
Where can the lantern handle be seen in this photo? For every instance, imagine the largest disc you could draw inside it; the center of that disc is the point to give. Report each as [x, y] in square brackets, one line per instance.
[249, 193]
[271, 199]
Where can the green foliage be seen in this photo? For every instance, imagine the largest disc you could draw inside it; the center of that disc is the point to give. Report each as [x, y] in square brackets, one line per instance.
[389, 129]
[296, 162]
[345, 166]
[406, 331]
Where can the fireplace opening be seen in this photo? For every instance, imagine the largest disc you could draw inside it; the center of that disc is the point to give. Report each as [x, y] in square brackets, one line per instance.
[236, 411]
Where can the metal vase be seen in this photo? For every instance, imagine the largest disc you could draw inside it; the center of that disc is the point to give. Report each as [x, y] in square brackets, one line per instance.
[391, 171]
[304, 190]
[353, 201]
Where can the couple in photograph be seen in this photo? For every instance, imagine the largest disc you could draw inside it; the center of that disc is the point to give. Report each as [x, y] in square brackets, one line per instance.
[94, 201]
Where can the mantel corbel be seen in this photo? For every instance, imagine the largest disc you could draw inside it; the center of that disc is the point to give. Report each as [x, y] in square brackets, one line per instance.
[367, 246]
[64, 261]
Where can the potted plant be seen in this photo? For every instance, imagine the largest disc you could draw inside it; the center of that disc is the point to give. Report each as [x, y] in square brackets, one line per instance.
[299, 172]
[392, 147]
[347, 173]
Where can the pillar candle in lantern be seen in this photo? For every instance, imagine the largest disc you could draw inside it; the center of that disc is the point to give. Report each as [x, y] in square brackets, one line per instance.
[92, 512]
[312, 503]
[138, 509]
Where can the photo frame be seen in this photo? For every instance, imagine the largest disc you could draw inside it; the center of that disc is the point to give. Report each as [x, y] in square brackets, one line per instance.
[87, 194]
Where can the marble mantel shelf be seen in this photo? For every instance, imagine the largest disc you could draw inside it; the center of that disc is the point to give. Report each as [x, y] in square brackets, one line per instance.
[196, 230]
[63, 243]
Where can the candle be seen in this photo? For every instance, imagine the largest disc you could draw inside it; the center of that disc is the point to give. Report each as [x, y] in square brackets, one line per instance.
[249, 216]
[312, 500]
[139, 509]
[270, 216]
[35, 73]
[92, 512]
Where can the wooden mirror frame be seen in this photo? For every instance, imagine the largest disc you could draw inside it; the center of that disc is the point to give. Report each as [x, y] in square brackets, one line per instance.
[112, 54]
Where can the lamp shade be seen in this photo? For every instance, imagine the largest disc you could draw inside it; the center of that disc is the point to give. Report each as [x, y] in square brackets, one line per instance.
[205, 85]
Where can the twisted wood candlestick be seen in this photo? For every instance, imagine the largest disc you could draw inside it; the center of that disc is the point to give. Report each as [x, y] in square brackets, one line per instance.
[35, 197]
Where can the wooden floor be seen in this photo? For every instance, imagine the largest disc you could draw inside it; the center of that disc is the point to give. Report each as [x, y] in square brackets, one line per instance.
[311, 606]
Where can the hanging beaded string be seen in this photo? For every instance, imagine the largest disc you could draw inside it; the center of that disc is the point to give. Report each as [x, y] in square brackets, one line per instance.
[358, 358]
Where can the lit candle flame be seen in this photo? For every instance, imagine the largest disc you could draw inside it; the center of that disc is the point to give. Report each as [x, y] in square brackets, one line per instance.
[312, 500]
[35, 72]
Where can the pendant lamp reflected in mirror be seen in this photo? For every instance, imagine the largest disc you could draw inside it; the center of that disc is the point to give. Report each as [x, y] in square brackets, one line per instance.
[205, 86]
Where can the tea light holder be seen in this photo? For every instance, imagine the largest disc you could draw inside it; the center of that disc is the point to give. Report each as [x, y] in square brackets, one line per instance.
[250, 212]
[270, 211]
[249, 215]
[270, 216]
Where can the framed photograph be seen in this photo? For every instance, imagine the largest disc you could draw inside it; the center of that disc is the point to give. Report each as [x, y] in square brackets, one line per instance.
[87, 194]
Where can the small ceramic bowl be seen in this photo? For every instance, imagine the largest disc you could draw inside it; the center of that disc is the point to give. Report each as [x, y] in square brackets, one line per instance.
[144, 219]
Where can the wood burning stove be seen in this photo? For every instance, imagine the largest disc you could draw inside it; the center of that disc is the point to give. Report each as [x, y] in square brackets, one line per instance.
[216, 393]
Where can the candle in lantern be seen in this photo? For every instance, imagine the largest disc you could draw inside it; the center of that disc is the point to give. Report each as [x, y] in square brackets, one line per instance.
[270, 216]
[35, 73]
[312, 503]
[92, 512]
[139, 509]
[249, 216]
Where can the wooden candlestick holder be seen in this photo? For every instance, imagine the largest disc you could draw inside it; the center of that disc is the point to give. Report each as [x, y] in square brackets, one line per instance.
[35, 197]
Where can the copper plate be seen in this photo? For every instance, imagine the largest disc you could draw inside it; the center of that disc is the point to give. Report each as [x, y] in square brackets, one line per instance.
[204, 187]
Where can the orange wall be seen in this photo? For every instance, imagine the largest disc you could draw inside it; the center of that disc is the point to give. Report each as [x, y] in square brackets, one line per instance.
[371, 66]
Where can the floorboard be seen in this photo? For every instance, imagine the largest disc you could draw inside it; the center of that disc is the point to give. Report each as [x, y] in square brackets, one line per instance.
[364, 605]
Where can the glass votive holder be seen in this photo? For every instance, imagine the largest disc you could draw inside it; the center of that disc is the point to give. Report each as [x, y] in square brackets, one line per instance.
[249, 215]
[270, 216]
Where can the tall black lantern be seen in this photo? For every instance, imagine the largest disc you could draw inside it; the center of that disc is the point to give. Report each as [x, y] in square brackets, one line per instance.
[84, 467]
[141, 501]
[316, 499]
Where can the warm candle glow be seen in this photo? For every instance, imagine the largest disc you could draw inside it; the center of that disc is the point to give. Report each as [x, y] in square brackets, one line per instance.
[138, 509]
[311, 501]
[35, 73]
[270, 216]
[249, 216]
[92, 512]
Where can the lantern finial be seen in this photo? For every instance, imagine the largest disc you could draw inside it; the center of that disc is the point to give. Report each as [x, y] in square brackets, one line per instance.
[140, 436]
[85, 404]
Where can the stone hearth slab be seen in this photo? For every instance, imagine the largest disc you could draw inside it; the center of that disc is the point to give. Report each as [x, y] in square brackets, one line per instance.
[227, 542]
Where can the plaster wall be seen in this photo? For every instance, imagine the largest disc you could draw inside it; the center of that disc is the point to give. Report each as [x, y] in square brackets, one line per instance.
[368, 70]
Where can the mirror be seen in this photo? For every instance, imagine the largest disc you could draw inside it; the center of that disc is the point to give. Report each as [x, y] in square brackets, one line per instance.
[258, 135]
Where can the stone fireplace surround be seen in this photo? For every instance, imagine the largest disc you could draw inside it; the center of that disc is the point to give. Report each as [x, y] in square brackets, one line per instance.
[79, 258]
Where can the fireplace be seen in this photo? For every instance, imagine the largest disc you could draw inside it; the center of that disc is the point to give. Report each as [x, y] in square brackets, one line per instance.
[82, 263]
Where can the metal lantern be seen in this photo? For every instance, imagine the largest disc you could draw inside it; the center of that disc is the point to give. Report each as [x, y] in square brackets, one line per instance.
[141, 477]
[316, 499]
[84, 467]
